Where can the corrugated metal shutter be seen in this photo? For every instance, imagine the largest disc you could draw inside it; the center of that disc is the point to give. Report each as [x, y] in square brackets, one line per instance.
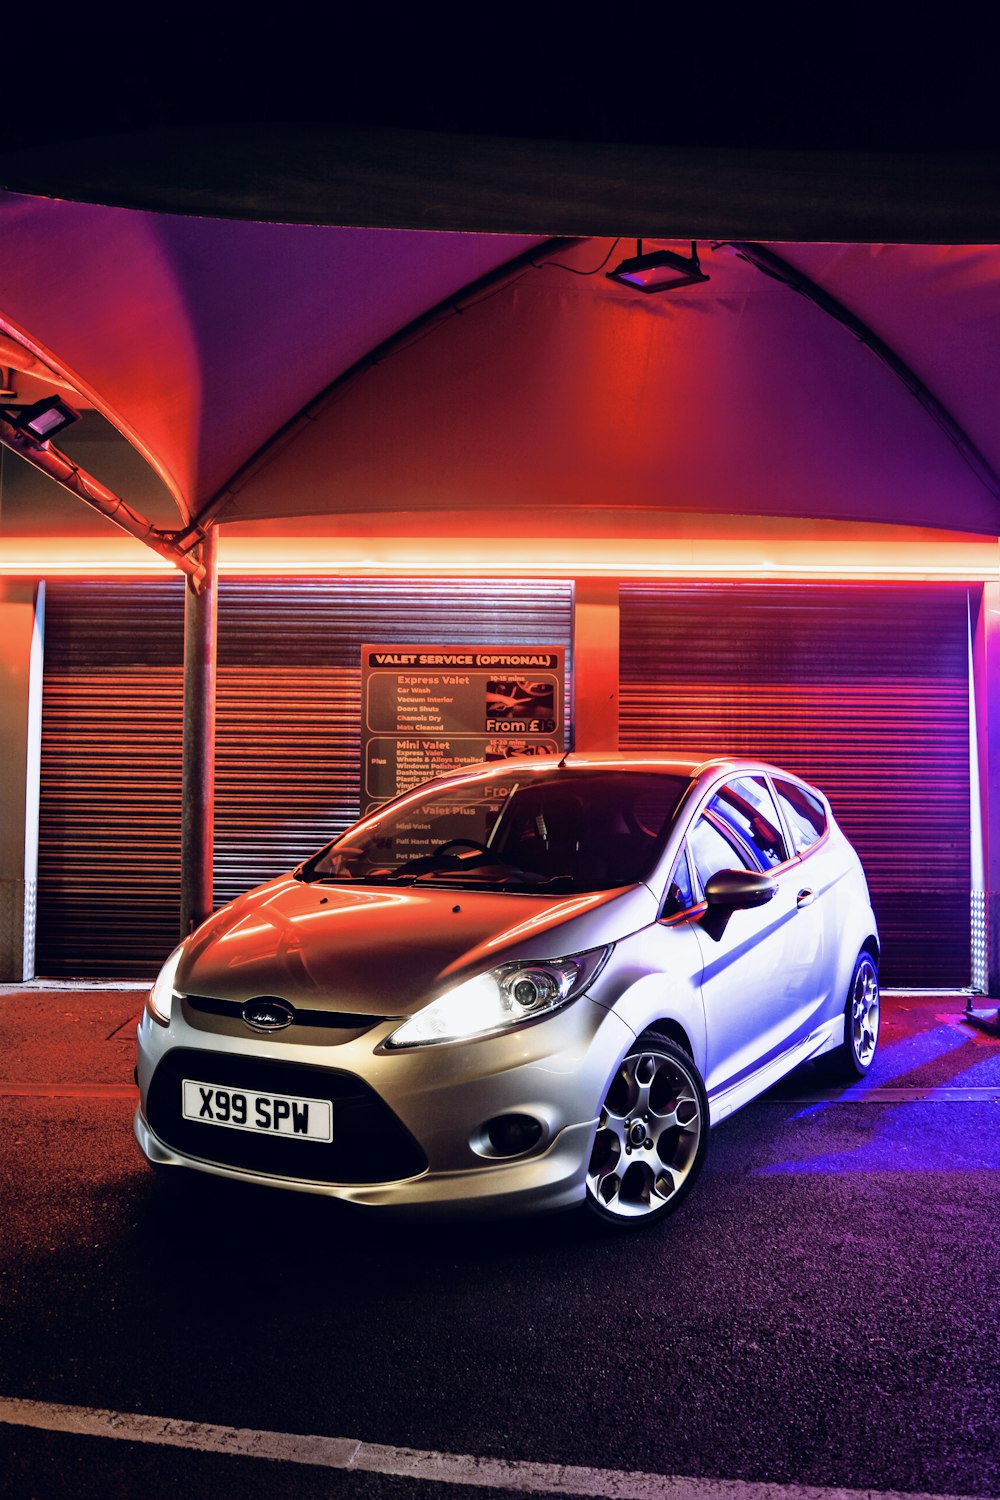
[288, 736]
[860, 689]
[109, 828]
[288, 731]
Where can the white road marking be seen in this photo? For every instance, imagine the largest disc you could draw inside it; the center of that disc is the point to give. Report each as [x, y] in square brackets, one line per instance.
[242, 1442]
[916, 1094]
[416, 1463]
[13, 988]
[68, 1091]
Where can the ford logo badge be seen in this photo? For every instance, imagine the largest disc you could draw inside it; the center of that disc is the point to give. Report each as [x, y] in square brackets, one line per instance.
[268, 1013]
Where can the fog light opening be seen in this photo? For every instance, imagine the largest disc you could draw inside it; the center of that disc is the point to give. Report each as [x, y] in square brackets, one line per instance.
[512, 1135]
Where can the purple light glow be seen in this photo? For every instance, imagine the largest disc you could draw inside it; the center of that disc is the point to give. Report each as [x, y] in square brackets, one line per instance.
[932, 1132]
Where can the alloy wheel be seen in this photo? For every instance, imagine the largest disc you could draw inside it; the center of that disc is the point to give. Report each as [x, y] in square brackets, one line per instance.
[865, 1012]
[650, 1135]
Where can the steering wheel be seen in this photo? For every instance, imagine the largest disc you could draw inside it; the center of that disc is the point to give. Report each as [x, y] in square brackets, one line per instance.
[441, 857]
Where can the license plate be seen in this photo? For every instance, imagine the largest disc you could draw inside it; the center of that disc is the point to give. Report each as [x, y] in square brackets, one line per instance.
[266, 1114]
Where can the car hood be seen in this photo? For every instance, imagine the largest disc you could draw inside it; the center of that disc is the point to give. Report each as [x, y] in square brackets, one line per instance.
[380, 952]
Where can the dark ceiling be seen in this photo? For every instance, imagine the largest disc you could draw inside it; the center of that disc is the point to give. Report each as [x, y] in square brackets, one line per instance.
[780, 77]
[776, 123]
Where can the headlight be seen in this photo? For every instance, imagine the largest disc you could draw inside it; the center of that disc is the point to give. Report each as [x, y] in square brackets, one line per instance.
[504, 997]
[161, 996]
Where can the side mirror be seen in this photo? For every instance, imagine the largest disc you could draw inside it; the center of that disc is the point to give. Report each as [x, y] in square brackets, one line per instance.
[734, 890]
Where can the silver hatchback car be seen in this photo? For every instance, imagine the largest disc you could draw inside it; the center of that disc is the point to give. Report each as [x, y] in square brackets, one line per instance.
[527, 986]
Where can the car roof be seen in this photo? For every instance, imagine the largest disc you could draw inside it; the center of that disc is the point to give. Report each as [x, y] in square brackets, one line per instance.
[696, 767]
[677, 764]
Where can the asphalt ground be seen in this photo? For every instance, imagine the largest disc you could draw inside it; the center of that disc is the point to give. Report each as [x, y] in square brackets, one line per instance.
[824, 1311]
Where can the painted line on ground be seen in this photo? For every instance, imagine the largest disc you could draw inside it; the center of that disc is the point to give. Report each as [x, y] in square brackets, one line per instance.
[68, 1090]
[913, 1095]
[916, 1094]
[11, 989]
[415, 1463]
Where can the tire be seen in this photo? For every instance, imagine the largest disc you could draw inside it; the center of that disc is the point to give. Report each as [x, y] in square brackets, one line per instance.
[652, 1135]
[853, 1058]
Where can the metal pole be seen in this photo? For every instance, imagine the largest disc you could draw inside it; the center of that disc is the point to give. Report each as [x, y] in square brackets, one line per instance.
[198, 787]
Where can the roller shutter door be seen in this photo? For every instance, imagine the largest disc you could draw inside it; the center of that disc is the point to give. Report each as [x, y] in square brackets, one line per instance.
[860, 689]
[109, 831]
[287, 737]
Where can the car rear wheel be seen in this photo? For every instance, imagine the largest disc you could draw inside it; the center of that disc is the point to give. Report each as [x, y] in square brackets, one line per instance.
[651, 1135]
[856, 1053]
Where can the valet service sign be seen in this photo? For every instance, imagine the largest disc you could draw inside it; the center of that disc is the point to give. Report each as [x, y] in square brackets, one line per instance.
[429, 710]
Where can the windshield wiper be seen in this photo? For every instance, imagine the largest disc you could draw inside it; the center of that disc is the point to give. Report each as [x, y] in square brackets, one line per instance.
[494, 877]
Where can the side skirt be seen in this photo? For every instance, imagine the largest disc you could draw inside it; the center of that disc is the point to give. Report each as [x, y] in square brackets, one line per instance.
[823, 1039]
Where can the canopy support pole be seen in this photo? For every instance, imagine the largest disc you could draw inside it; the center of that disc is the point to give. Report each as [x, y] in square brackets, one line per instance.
[198, 793]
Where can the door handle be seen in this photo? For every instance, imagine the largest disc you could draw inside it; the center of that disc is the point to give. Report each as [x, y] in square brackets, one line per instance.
[805, 898]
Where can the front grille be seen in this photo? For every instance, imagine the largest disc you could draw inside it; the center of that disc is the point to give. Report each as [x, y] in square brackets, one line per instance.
[369, 1143]
[314, 1027]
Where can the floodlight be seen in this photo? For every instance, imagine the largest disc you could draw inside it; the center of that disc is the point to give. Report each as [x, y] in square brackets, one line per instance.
[41, 421]
[658, 271]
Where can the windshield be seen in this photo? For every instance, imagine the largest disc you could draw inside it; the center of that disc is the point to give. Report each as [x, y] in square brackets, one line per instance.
[556, 829]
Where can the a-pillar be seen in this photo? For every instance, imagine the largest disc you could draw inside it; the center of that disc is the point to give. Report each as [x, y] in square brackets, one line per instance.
[22, 607]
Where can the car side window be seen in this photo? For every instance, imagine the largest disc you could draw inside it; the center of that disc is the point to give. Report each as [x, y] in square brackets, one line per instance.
[680, 893]
[711, 851]
[805, 814]
[746, 806]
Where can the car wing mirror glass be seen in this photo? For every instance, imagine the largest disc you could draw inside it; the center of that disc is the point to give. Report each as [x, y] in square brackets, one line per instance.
[728, 891]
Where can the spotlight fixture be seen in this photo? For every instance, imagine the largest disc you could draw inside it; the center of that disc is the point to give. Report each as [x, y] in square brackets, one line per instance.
[659, 271]
[41, 421]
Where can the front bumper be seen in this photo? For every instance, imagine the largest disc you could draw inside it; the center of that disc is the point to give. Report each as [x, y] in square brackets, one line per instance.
[411, 1122]
[541, 1183]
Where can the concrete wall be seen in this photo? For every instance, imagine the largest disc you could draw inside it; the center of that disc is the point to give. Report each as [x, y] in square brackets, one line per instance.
[595, 664]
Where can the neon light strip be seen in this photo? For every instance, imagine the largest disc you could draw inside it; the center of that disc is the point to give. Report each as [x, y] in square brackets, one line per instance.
[650, 557]
[46, 557]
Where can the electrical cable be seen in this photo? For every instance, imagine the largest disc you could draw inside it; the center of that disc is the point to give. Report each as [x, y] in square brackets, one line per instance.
[558, 265]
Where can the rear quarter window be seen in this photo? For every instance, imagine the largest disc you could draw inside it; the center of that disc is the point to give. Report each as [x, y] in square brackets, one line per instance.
[805, 814]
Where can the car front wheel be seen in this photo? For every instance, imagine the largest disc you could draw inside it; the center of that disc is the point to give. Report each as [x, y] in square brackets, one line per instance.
[651, 1135]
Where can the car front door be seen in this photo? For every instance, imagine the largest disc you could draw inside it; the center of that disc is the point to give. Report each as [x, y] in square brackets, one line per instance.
[762, 981]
